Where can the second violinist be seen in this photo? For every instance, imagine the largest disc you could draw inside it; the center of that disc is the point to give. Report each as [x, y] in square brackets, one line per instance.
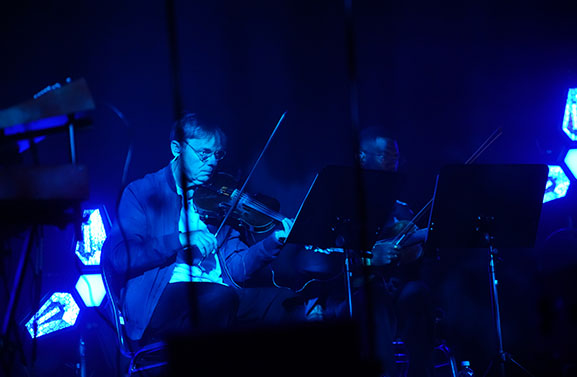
[399, 297]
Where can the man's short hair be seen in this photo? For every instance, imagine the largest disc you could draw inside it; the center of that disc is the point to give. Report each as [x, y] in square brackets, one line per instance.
[374, 132]
[189, 127]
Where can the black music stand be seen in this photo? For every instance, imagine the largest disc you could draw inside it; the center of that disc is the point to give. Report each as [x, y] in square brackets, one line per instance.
[488, 206]
[346, 208]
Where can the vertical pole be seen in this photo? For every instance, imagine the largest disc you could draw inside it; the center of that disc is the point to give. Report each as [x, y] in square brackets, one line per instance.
[368, 312]
[72, 141]
[18, 277]
[174, 58]
[496, 313]
[81, 366]
[348, 281]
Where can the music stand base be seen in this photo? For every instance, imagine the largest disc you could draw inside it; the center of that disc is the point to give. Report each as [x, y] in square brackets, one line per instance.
[503, 359]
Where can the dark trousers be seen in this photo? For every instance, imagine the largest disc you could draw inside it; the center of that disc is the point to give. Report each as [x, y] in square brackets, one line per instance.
[192, 307]
[414, 310]
[269, 306]
[383, 317]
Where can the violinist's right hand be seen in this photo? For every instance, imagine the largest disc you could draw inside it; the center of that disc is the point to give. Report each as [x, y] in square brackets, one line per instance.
[281, 235]
[198, 234]
[203, 240]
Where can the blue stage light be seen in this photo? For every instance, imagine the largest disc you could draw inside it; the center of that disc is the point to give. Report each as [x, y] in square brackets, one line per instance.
[571, 161]
[58, 312]
[557, 184]
[570, 117]
[35, 126]
[90, 287]
[94, 234]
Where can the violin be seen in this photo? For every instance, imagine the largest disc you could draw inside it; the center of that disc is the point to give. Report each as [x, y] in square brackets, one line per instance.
[401, 235]
[405, 233]
[258, 213]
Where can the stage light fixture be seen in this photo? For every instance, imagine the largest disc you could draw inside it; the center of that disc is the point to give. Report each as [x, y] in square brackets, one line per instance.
[89, 248]
[557, 184]
[90, 287]
[58, 312]
[570, 117]
[571, 161]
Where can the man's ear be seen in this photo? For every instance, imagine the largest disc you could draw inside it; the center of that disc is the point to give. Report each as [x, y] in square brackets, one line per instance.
[175, 148]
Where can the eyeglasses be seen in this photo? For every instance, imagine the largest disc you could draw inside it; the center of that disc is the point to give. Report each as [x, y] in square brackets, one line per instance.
[204, 155]
[363, 155]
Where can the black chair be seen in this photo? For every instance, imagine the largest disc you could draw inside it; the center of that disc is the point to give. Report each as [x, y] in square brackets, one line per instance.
[444, 363]
[140, 358]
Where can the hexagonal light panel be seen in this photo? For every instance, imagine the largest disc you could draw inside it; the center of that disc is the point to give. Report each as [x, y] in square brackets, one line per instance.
[58, 312]
[557, 184]
[88, 250]
[90, 287]
[571, 161]
[570, 117]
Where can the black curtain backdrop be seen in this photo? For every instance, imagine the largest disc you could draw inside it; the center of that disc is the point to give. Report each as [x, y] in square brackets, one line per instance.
[441, 76]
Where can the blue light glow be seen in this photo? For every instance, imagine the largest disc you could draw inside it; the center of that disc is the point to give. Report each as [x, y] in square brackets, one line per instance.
[571, 161]
[570, 117]
[58, 312]
[90, 287]
[37, 125]
[557, 184]
[88, 250]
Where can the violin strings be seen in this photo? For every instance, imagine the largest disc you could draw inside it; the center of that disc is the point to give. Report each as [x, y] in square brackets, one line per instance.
[255, 204]
[262, 208]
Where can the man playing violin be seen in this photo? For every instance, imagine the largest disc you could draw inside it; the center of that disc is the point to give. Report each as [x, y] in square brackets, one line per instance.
[405, 308]
[170, 271]
[399, 299]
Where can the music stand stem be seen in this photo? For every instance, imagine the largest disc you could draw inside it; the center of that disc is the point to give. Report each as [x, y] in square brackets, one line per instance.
[503, 356]
[495, 307]
[72, 140]
[348, 274]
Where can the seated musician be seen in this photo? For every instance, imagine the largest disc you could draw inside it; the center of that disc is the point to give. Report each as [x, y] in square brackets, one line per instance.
[172, 273]
[399, 298]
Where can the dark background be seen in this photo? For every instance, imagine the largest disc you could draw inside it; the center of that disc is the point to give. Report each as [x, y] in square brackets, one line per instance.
[441, 76]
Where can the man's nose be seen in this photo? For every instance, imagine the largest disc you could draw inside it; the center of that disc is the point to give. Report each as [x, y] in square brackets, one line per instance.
[212, 161]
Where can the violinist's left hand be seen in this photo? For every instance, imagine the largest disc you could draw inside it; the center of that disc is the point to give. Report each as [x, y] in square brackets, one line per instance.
[384, 253]
[282, 234]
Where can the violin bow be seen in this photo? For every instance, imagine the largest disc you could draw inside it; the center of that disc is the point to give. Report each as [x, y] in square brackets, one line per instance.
[241, 190]
[490, 140]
